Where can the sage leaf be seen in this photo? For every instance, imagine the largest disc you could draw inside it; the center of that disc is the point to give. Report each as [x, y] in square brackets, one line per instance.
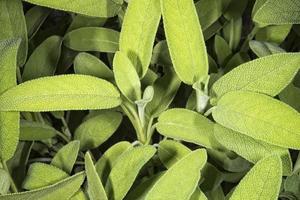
[80, 21]
[126, 169]
[95, 188]
[64, 92]
[260, 117]
[291, 95]
[96, 130]
[126, 77]
[232, 32]
[222, 50]
[262, 49]
[138, 32]
[94, 8]
[4, 182]
[43, 61]
[186, 125]
[66, 157]
[251, 149]
[13, 9]
[184, 174]
[276, 34]
[9, 129]
[258, 75]
[264, 179]
[161, 54]
[30, 131]
[61, 190]
[185, 40]
[93, 39]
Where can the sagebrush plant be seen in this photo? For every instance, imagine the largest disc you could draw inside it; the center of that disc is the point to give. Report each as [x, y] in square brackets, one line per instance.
[149, 99]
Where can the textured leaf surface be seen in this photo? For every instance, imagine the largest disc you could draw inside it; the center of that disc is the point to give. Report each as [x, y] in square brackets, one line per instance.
[126, 169]
[185, 175]
[61, 190]
[138, 32]
[95, 8]
[258, 75]
[186, 125]
[291, 95]
[261, 182]
[96, 130]
[64, 92]
[262, 49]
[30, 131]
[260, 117]
[185, 40]
[4, 182]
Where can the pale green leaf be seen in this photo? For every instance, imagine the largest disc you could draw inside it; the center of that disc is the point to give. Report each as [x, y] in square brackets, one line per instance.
[261, 182]
[161, 54]
[138, 32]
[276, 34]
[95, 8]
[80, 21]
[258, 75]
[64, 92]
[66, 157]
[260, 117]
[262, 49]
[232, 32]
[30, 131]
[126, 169]
[185, 175]
[96, 130]
[198, 195]
[61, 190]
[185, 40]
[95, 188]
[251, 149]
[222, 50]
[291, 95]
[4, 182]
[126, 77]
[186, 125]
[44, 59]
[93, 39]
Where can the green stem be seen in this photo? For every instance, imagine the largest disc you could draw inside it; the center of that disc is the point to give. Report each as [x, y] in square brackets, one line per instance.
[67, 130]
[12, 183]
[245, 45]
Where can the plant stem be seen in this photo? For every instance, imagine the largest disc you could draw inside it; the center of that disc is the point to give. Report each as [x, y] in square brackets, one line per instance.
[12, 183]
[67, 130]
[245, 45]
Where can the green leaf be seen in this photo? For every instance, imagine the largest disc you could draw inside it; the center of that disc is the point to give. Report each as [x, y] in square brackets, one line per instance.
[80, 21]
[222, 50]
[232, 32]
[64, 92]
[251, 149]
[258, 75]
[95, 188]
[138, 32]
[185, 40]
[291, 95]
[109, 158]
[262, 49]
[4, 182]
[104, 8]
[161, 54]
[126, 77]
[275, 34]
[44, 59]
[277, 12]
[93, 39]
[61, 190]
[30, 131]
[260, 117]
[66, 157]
[261, 182]
[96, 130]
[186, 125]
[88, 64]
[126, 169]
[235, 9]
[185, 175]
[13, 9]
[9, 129]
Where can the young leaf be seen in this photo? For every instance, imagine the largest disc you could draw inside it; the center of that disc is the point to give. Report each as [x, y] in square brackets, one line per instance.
[95, 188]
[251, 149]
[260, 117]
[94, 8]
[262, 49]
[222, 50]
[261, 182]
[16, 28]
[126, 77]
[9, 129]
[232, 32]
[186, 125]
[93, 39]
[61, 190]
[96, 130]
[109, 158]
[126, 169]
[258, 75]
[64, 92]
[185, 40]
[30, 131]
[138, 32]
[43, 61]
[4, 182]
[185, 175]
[66, 157]
[88, 64]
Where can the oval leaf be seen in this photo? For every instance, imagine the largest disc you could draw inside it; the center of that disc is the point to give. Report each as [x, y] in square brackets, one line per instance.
[30, 131]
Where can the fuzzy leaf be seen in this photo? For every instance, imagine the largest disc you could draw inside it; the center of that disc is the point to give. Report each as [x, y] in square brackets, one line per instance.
[260, 117]
[30, 131]
[4, 182]
[291, 95]
[64, 92]
[222, 50]
[185, 40]
[262, 49]
[275, 34]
